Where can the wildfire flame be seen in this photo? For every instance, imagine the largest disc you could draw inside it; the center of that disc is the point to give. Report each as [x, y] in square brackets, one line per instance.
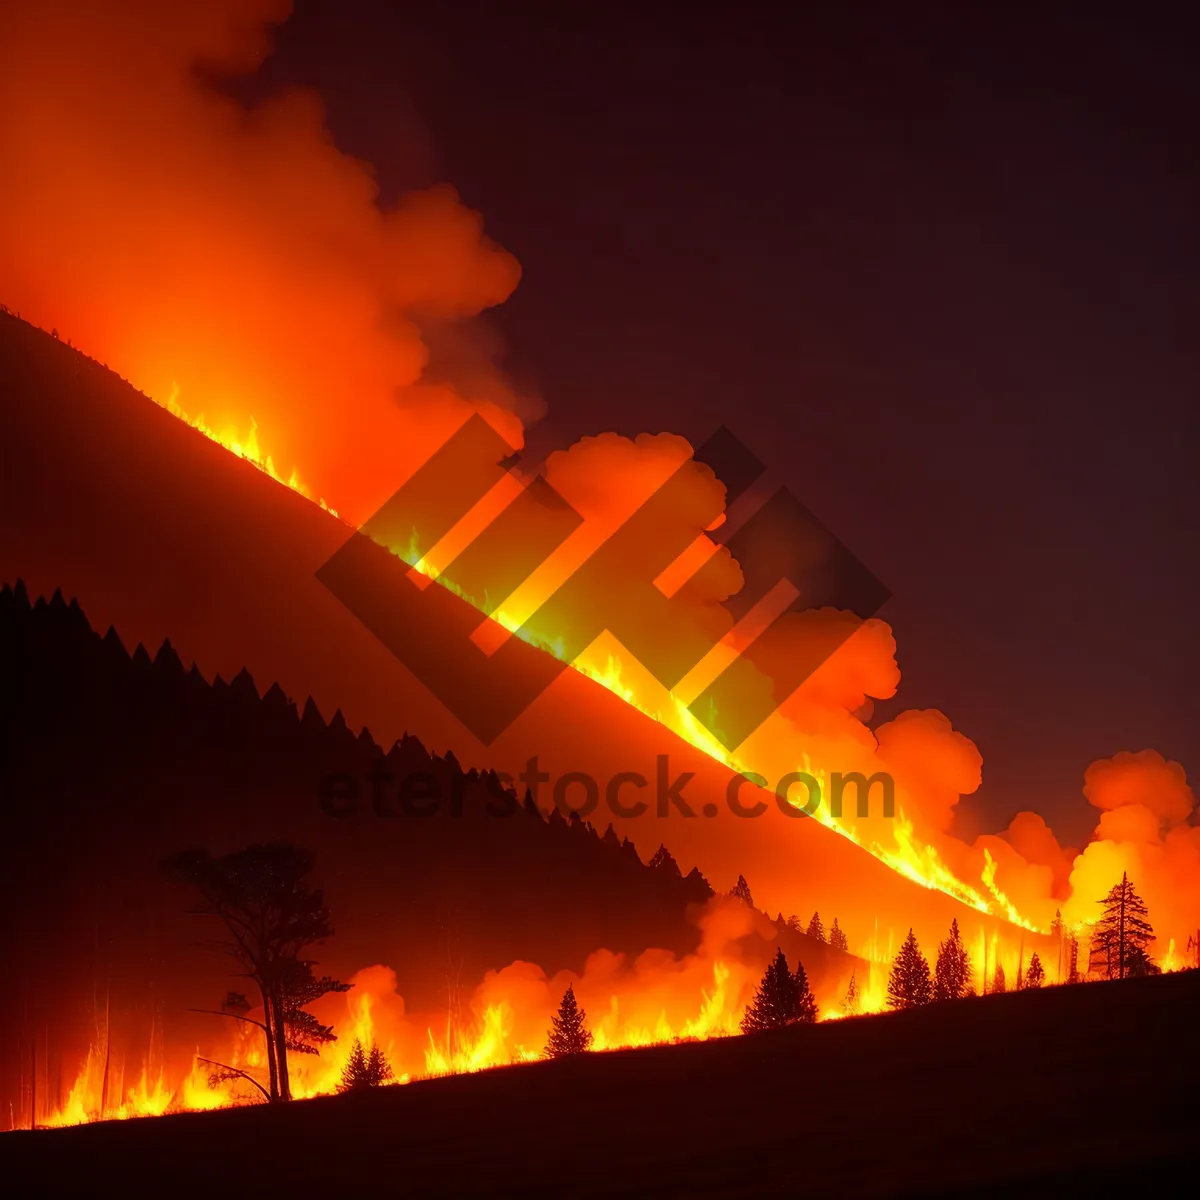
[909, 856]
[602, 662]
[482, 1041]
[247, 448]
[271, 308]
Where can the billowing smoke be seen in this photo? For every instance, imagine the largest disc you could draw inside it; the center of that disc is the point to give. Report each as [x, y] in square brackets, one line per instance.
[234, 256]
[1145, 828]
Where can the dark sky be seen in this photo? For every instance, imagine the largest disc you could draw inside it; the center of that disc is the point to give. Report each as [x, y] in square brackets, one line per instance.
[941, 273]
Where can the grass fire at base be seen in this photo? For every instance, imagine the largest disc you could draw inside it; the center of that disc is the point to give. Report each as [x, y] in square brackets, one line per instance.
[655, 999]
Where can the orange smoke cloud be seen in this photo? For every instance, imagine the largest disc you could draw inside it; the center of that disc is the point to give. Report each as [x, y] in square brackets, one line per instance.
[234, 255]
[1144, 780]
[1034, 841]
[934, 763]
[1145, 828]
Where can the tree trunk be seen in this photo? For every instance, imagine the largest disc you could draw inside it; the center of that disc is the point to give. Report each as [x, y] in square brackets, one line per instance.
[1121, 927]
[272, 1073]
[285, 1091]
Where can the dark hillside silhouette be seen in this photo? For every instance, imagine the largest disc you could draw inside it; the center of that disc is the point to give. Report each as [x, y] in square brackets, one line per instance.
[113, 760]
[639, 1121]
[163, 533]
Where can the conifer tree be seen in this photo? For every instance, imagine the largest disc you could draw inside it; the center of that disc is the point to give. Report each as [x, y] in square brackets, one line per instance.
[1036, 975]
[568, 1033]
[837, 939]
[952, 974]
[299, 987]
[265, 900]
[665, 859]
[806, 1002]
[379, 1070]
[355, 1068]
[777, 1001]
[815, 928]
[793, 923]
[909, 985]
[741, 890]
[1122, 934]
[998, 982]
[1139, 963]
[363, 1070]
[852, 1004]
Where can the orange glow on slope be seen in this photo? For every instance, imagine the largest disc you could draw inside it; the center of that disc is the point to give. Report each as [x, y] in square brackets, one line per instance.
[604, 663]
[247, 447]
[651, 999]
[145, 1097]
[158, 222]
[501, 1030]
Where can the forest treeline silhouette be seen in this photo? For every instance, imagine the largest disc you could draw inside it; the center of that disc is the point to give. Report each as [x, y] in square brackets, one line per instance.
[115, 758]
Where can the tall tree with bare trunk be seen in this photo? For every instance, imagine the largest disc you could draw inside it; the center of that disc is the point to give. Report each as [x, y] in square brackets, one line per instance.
[263, 897]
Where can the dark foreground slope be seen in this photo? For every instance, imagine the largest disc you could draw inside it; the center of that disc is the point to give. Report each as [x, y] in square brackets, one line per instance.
[1087, 1087]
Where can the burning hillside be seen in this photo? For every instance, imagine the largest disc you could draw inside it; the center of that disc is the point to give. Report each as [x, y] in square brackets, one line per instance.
[225, 511]
[310, 348]
[312, 339]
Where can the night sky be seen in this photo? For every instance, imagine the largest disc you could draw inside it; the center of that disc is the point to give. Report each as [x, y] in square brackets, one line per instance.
[940, 273]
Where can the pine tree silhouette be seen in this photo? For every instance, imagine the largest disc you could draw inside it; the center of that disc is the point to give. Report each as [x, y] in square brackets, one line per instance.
[363, 1070]
[952, 975]
[806, 1002]
[299, 987]
[741, 890]
[1035, 976]
[1139, 963]
[909, 985]
[837, 939]
[998, 981]
[265, 899]
[1122, 934]
[777, 1001]
[665, 859]
[815, 928]
[852, 1003]
[568, 1033]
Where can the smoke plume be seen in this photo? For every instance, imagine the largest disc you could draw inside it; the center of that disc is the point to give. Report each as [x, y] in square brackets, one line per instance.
[233, 256]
